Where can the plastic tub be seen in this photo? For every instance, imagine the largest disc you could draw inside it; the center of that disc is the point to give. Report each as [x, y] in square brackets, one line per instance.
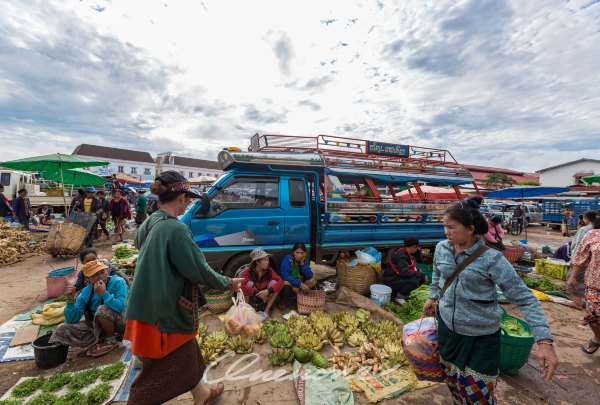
[381, 294]
[49, 355]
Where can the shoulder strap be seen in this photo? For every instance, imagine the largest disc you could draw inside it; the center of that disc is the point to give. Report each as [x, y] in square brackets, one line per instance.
[152, 226]
[461, 267]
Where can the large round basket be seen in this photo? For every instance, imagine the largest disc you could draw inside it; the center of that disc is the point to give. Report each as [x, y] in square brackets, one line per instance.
[357, 278]
[310, 302]
[513, 253]
[218, 302]
[65, 239]
[514, 350]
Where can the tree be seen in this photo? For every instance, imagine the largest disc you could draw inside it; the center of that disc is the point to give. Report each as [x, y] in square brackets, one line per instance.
[498, 180]
[529, 183]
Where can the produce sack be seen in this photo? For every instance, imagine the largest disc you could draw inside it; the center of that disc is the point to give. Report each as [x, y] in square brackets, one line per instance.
[420, 344]
[242, 319]
[52, 314]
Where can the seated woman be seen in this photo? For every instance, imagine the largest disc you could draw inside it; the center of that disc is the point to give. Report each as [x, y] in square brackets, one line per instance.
[296, 272]
[90, 254]
[102, 303]
[400, 273]
[495, 233]
[261, 284]
[44, 214]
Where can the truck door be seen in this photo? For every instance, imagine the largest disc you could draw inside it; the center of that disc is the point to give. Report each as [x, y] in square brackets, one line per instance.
[297, 211]
[246, 213]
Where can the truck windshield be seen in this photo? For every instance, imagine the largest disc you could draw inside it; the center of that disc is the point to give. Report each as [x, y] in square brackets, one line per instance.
[246, 193]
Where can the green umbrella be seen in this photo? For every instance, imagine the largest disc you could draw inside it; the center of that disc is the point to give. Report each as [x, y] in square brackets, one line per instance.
[591, 179]
[75, 177]
[56, 163]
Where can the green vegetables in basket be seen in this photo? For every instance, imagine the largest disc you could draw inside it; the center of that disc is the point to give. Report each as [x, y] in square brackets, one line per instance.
[99, 394]
[27, 387]
[113, 372]
[84, 378]
[56, 382]
[123, 252]
[71, 398]
[413, 307]
[514, 327]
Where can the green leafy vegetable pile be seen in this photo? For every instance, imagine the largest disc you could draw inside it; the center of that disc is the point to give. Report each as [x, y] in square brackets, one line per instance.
[514, 328]
[56, 382]
[44, 398]
[543, 284]
[84, 379]
[122, 252]
[99, 394]
[113, 372]
[72, 398]
[413, 307]
[27, 387]
[10, 402]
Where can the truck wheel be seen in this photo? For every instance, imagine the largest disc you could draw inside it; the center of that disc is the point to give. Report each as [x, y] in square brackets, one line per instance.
[235, 263]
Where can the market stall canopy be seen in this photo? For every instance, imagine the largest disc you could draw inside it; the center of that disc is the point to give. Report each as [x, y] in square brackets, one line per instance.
[202, 180]
[55, 163]
[431, 193]
[589, 180]
[123, 178]
[525, 191]
[75, 177]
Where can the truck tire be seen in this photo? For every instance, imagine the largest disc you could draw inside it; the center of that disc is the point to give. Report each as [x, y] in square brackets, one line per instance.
[235, 263]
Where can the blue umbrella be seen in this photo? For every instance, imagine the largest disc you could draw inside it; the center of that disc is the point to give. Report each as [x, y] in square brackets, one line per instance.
[525, 191]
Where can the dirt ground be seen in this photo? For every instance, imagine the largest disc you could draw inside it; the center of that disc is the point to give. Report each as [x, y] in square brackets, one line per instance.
[22, 286]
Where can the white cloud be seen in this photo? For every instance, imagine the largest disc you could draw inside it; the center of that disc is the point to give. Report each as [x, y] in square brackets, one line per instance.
[506, 83]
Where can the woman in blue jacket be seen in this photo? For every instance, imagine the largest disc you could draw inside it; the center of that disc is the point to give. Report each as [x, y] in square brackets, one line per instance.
[296, 273]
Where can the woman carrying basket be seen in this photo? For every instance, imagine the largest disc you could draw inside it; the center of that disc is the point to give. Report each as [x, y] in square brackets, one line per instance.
[468, 312]
[162, 312]
[119, 211]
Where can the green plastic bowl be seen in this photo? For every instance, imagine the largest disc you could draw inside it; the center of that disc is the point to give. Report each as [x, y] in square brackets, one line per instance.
[514, 350]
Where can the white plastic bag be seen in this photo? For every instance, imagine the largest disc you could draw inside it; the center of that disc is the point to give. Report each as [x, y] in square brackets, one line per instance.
[242, 319]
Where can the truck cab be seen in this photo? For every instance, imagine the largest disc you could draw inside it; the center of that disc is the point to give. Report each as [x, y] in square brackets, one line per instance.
[332, 200]
[13, 181]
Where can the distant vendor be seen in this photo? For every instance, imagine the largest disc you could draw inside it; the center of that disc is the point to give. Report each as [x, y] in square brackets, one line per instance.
[401, 273]
[296, 272]
[102, 303]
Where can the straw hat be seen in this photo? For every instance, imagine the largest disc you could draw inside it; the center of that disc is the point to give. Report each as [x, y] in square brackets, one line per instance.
[258, 254]
[93, 267]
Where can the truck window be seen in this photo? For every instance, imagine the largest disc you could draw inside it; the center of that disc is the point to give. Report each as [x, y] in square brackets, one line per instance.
[297, 193]
[5, 179]
[246, 193]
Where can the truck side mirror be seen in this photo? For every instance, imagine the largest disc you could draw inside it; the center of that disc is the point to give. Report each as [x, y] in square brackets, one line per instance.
[205, 204]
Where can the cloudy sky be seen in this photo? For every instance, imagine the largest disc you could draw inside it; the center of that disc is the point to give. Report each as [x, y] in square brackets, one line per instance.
[505, 83]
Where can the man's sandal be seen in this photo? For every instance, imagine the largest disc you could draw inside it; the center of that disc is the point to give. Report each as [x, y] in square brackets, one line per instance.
[591, 348]
[215, 394]
[101, 349]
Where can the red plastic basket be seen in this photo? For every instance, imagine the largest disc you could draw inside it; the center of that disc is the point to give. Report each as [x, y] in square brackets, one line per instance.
[513, 253]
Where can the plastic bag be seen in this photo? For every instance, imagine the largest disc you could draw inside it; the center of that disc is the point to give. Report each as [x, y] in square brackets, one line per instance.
[420, 337]
[242, 319]
[368, 256]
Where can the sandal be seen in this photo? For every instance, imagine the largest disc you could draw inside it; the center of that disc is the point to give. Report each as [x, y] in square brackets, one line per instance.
[591, 348]
[215, 394]
[101, 349]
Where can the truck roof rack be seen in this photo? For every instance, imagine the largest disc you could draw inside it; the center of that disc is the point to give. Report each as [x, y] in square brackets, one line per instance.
[364, 154]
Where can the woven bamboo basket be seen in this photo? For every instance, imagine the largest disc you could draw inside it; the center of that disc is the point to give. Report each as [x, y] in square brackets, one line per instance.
[218, 302]
[310, 302]
[357, 278]
[65, 239]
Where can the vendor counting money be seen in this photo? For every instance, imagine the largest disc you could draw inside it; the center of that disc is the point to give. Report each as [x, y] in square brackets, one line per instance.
[102, 303]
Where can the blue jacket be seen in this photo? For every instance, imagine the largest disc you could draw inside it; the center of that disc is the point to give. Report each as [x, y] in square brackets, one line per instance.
[114, 298]
[470, 304]
[285, 270]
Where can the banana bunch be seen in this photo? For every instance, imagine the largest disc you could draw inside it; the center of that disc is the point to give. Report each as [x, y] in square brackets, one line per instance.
[346, 320]
[202, 328]
[216, 340]
[310, 341]
[298, 326]
[303, 355]
[260, 337]
[334, 336]
[210, 354]
[389, 329]
[318, 316]
[322, 325]
[350, 330]
[319, 361]
[241, 346]
[271, 327]
[279, 357]
[281, 340]
[362, 315]
[357, 338]
[393, 354]
[370, 329]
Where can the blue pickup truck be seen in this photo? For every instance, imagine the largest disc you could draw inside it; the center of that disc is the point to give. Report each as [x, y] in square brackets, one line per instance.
[334, 194]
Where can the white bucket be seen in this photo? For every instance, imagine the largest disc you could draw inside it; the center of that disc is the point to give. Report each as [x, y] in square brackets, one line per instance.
[381, 294]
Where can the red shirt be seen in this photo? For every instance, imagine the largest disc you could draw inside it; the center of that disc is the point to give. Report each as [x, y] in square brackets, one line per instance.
[588, 256]
[252, 283]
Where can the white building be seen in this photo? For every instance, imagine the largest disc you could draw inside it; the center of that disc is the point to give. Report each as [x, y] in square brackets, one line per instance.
[188, 167]
[569, 173]
[139, 165]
